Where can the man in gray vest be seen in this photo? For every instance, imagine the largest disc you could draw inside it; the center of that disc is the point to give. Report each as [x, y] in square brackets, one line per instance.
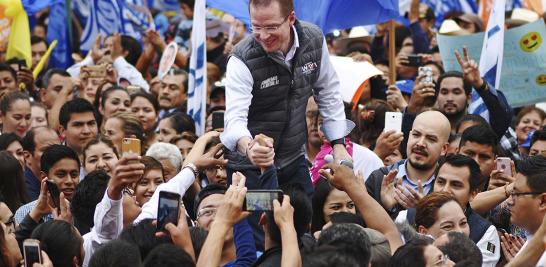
[270, 76]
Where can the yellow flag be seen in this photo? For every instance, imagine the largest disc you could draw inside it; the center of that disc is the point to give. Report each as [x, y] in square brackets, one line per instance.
[19, 38]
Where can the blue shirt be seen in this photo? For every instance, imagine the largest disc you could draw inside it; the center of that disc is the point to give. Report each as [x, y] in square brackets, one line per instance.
[33, 184]
[402, 173]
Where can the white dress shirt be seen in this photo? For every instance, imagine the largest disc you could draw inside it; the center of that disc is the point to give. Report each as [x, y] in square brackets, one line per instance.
[239, 83]
[542, 261]
[108, 220]
[125, 71]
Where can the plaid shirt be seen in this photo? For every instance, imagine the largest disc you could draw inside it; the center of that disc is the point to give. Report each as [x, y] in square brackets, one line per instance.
[509, 145]
[25, 209]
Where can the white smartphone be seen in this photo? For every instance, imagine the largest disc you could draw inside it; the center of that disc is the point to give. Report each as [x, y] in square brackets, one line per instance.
[504, 164]
[33, 254]
[393, 121]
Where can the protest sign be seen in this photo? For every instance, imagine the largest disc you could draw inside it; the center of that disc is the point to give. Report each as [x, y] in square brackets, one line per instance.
[523, 78]
[167, 59]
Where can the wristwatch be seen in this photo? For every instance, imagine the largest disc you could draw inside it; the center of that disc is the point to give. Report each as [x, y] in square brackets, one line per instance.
[193, 169]
[340, 141]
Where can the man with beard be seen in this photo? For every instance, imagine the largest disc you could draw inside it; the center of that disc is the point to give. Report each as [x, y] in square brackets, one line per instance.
[428, 140]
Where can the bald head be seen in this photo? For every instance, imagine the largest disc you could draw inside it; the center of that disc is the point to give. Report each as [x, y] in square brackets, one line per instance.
[436, 122]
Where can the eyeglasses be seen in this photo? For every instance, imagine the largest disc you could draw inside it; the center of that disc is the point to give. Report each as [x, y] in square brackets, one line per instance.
[513, 194]
[268, 29]
[206, 212]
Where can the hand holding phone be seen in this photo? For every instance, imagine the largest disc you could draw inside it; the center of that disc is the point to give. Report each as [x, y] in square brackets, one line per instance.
[505, 165]
[32, 252]
[393, 121]
[261, 200]
[54, 193]
[168, 209]
[130, 146]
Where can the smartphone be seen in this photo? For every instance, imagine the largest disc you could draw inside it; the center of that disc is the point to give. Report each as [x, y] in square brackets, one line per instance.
[133, 89]
[505, 164]
[32, 252]
[261, 200]
[414, 60]
[425, 72]
[217, 120]
[393, 121]
[167, 209]
[130, 146]
[54, 192]
[95, 71]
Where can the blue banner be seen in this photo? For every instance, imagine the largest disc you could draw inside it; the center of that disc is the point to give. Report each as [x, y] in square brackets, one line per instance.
[61, 56]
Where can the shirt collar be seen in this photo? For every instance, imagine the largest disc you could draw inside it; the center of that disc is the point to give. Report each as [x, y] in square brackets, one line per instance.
[402, 173]
[290, 55]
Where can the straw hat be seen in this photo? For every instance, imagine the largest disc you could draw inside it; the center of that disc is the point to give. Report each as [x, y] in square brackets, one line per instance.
[521, 16]
[450, 27]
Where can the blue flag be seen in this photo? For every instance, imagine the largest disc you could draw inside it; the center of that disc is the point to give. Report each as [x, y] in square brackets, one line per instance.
[329, 15]
[58, 29]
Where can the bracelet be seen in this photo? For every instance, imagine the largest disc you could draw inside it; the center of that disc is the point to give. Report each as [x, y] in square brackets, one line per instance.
[193, 169]
[506, 191]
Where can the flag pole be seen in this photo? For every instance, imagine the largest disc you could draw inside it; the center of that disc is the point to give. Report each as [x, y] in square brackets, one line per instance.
[392, 53]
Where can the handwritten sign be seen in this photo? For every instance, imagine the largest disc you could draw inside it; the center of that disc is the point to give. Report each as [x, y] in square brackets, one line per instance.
[523, 76]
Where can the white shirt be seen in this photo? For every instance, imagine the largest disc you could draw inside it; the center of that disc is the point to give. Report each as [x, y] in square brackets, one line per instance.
[542, 261]
[178, 184]
[108, 220]
[125, 71]
[365, 161]
[239, 83]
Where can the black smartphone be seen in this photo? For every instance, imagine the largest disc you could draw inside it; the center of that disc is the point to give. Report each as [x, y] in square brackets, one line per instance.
[414, 60]
[55, 193]
[217, 120]
[32, 252]
[167, 209]
[261, 200]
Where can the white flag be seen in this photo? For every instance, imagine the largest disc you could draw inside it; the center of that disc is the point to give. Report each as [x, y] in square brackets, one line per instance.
[197, 89]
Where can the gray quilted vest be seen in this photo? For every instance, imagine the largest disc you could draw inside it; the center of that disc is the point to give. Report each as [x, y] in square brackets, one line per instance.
[280, 93]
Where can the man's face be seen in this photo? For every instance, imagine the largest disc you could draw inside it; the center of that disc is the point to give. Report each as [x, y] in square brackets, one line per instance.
[207, 210]
[38, 51]
[538, 147]
[173, 92]
[455, 180]
[311, 117]
[43, 138]
[271, 29]
[80, 129]
[66, 175]
[482, 154]
[525, 208]
[452, 99]
[56, 84]
[7, 82]
[425, 144]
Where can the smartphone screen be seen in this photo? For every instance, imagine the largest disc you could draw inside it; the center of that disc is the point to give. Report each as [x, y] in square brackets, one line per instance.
[393, 121]
[218, 120]
[31, 251]
[54, 192]
[167, 210]
[261, 200]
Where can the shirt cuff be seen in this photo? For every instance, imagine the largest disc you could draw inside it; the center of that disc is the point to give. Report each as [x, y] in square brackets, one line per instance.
[337, 129]
[230, 137]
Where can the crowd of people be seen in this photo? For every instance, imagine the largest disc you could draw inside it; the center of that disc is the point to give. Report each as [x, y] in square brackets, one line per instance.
[450, 189]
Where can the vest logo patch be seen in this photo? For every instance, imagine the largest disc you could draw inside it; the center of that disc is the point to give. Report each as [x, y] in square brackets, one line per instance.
[271, 81]
[309, 68]
[490, 247]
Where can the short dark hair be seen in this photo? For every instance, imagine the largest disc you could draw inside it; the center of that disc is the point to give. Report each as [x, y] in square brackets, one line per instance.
[116, 253]
[166, 255]
[286, 6]
[190, 3]
[534, 168]
[302, 212]
[88, 194]
[143, 236]
[328, 256]
[457, 74]
[8, 68]
[12, 184]
[477, 119]
[37, 39]
[181, 122]
[476, 179]
[55, 153]
[481, 134]
[77, 105]
[133, 48]
[8, 138]
[349, 237]
[198, 236]
[61, 241]
[49, 73]
[208, 190]
[538, 135]
[411, 254]
[347, 217]
[459, 247]
[9, 98]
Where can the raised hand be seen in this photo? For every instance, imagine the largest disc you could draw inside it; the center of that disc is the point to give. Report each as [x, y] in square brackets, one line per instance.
[510, 245]
[387, 143]
[470, 69]
[341, 176]
[395, 98]
[231, 211]
[421, 92]
[406, 196]
[388, 184]
[260, 151]
[283, 214]
[96, 52]
[63, 213]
